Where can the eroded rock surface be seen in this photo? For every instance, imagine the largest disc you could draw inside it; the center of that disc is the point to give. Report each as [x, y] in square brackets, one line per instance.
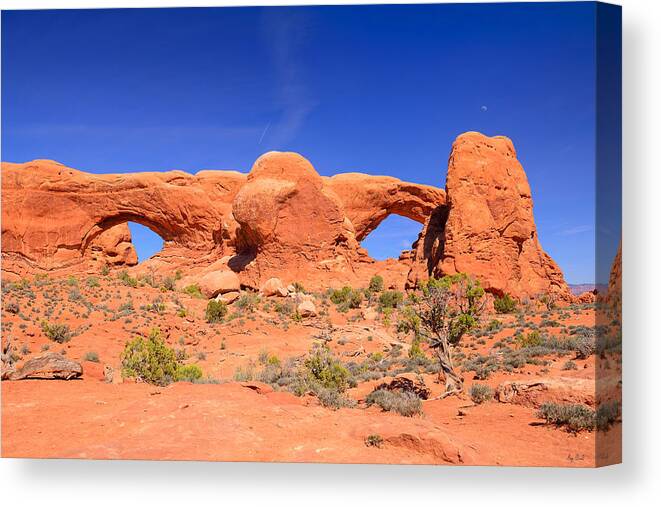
[282, 220]
[490, 230]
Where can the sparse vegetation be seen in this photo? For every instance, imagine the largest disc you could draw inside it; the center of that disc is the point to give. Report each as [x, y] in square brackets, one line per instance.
[444, 311]
[59, 333]
[573, 417]
[194, 291]
[390, 299]
[374, 440]
[504, 304]
[376, 283]
[91, 356]
[403, 402]
[481, 393]
[152, 361]
[216, 311]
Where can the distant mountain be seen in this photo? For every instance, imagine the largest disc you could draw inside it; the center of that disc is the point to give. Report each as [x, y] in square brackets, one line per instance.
[580, 288]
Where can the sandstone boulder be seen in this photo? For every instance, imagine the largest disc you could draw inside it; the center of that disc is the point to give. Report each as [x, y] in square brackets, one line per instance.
[219, 282]
[273, 287]
[307, 309]
[228, 297]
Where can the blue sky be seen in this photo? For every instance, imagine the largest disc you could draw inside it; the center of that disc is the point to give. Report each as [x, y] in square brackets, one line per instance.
[376, 89]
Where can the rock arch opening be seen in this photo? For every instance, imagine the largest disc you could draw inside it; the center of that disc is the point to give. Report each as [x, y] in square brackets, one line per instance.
[146, 242]
[392, 238]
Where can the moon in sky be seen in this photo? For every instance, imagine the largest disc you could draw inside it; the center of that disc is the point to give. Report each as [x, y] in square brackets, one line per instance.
[483, 108]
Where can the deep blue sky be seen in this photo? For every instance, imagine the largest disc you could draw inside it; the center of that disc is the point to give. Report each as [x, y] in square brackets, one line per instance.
[376, 89]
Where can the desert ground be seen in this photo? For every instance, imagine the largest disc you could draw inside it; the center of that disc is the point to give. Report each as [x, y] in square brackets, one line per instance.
[244, 407]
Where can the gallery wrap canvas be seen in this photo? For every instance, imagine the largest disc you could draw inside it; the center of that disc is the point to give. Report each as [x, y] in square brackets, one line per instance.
[333, 234]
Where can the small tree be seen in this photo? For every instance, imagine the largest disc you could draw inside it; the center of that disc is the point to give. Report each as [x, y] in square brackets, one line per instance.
[446, 310]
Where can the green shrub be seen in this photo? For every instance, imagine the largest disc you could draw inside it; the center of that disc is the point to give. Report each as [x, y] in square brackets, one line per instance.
[390, 299]
[216, 311]
[247, 302]
[91, 356]
[346, 298]
[59, 333]
[404, 403]
[92, 281]
[416, 352]
[532, 339]
[126, 279]
[376, 283]
[188, 373]
[504, 304]
[481, 393]
[194, 291]
[154, 362]
[326, 369]
[149, 359]
[574, 417]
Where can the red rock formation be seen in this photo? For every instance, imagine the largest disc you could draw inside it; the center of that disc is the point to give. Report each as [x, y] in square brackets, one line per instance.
[113, 247]
[53, 216]
[368, 200]
[490, 230]
[290, 222]
[282, 220]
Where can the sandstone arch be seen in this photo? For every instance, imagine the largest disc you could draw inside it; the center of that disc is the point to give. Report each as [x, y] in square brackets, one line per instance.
[368, 200]
[284, 217]
[53, 213]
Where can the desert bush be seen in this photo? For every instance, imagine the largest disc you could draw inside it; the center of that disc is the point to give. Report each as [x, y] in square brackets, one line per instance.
[152, 361]
[168, 283]
[126, 279]
[532, 339]
[92, 281]
[403, 402]
[59, 333]
[607, 414]
[194, 291]
[326, 369]
[298, 287]
[374, 440]
[188, 373]
[574, 417]
[91, 356]
[569, 365]
[585, 345]
[248, 302]
[493, 326]
[346, 298]
[376, 283]
[481, 393]
[216, 311]
[390, 299]
[12, 307]
[244, 374]
[504, 304]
